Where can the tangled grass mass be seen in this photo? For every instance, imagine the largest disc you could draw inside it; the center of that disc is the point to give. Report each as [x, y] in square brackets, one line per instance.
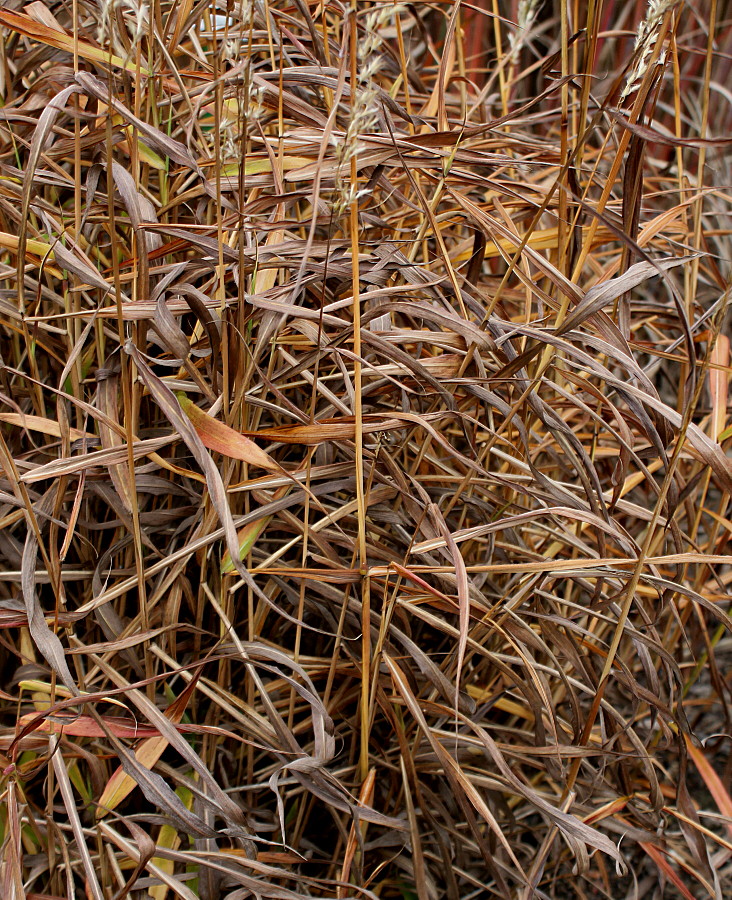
[365, 445]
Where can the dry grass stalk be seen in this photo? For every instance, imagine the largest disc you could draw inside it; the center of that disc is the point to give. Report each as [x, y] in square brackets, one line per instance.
[395, 573]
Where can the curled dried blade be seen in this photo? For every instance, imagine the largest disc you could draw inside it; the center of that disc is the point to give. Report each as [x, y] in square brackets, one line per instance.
[45, 640]
[601, 295]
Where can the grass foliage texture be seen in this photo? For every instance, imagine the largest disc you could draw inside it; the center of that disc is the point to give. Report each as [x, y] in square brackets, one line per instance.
[365, 451]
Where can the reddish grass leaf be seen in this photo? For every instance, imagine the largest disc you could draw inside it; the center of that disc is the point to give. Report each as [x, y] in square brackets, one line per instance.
[220, 437]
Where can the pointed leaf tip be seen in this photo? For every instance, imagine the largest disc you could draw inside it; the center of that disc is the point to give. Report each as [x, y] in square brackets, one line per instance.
[217, 436]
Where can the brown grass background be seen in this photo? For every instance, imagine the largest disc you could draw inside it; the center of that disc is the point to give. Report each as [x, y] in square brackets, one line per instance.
[364, 449]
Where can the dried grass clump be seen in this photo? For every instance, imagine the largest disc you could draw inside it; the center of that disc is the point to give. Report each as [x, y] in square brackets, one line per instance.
[365, 450]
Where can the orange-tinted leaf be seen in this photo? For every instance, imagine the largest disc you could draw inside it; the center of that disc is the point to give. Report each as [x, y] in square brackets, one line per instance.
[147, 754]
[668, 870]
[719, 386]
[121, 784]
[85, 726]
[60, 39]
[341, 429]
[217, 436]
[713, 782]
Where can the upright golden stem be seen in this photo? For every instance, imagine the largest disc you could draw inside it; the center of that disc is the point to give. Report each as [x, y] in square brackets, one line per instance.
[358, 411]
